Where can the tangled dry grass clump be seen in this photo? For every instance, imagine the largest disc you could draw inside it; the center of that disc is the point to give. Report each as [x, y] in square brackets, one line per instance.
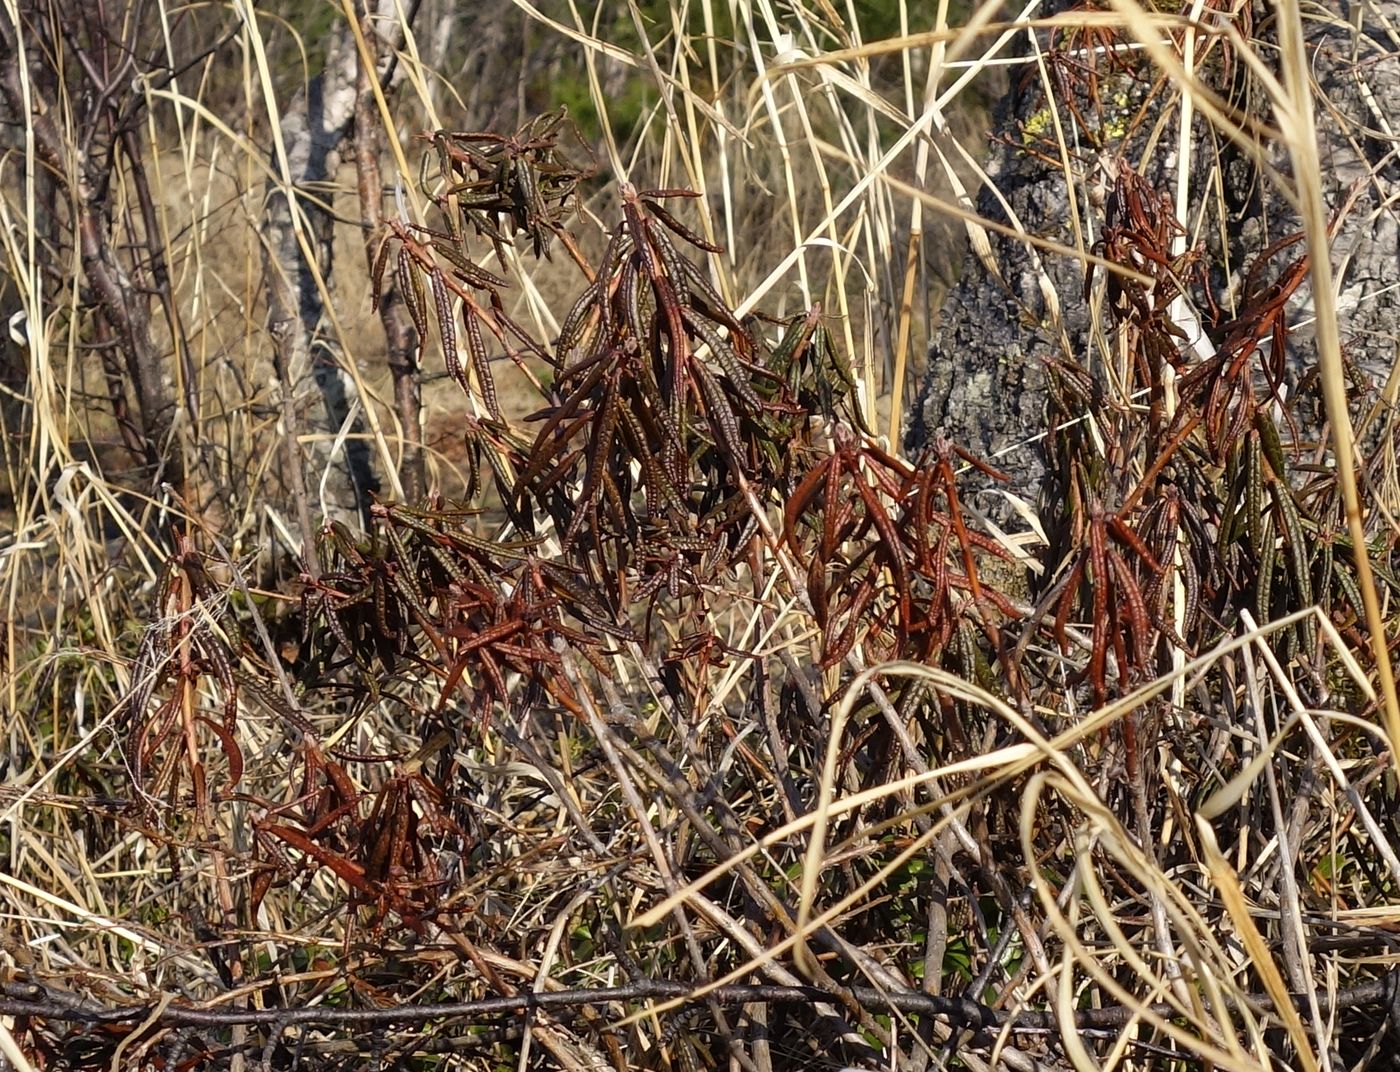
[588, 683]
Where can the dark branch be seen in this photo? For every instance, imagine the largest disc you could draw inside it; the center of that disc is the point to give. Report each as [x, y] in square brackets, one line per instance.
[29, 999]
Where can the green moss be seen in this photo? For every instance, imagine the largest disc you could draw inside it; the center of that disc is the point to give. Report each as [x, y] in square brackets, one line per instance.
[1120, 109]
[1037, 126]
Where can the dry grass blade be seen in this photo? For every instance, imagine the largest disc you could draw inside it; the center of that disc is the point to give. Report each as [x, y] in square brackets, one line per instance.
[1296, 118]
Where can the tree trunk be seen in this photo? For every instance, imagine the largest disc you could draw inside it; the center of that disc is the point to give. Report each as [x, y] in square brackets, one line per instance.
[402, 344]
[986, 385]
[317, 392]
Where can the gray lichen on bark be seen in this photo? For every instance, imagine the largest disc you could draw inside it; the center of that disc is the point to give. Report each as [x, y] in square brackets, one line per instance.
[985, 387]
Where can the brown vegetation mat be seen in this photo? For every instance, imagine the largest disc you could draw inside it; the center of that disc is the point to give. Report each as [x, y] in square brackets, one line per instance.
[673, 718]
